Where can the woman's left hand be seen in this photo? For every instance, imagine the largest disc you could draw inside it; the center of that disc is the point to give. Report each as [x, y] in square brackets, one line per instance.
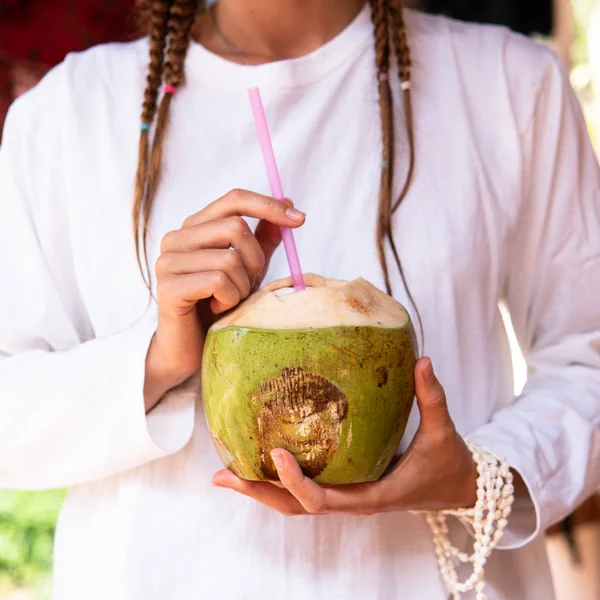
[436, 472]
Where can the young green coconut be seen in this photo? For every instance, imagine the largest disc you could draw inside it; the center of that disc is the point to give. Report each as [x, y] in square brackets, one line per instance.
[327, 374]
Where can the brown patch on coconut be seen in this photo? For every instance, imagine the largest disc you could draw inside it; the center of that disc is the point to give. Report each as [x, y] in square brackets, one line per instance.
[302, 413]
[358, 305]
[382, 376]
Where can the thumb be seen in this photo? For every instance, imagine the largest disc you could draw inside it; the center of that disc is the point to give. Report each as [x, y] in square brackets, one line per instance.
[431, 398]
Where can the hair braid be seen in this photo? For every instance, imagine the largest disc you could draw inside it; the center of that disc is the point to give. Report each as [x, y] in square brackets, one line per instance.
[157, 18]
[182, 17]
[402, 50]
[390, 30]
[179, 25]
[380, 17]
[158, 41]
[177, 34]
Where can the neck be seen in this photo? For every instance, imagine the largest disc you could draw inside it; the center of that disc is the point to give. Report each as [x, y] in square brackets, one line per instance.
[270, 30]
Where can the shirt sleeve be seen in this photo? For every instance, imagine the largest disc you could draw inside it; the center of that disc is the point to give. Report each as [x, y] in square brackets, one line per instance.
[550, 434]
[71, 406]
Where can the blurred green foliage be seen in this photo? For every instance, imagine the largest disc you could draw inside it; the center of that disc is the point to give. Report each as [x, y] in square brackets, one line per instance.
[582, 74]
[27, 523]
[581, 14]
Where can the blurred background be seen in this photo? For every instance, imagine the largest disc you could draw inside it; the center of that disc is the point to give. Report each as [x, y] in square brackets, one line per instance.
[36, 34]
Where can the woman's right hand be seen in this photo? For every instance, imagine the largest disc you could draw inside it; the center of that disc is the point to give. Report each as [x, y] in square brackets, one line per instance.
[205, 268]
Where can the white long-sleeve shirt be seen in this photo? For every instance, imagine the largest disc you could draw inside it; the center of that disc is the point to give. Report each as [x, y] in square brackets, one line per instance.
[505, 205]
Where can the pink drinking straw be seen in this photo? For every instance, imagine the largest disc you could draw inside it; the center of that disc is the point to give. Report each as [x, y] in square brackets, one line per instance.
[264, 138]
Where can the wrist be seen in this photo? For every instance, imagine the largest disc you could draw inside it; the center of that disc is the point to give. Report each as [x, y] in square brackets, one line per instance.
[163, 373]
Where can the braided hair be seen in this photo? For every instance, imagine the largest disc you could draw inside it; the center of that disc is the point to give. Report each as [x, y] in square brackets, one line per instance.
[169, 24]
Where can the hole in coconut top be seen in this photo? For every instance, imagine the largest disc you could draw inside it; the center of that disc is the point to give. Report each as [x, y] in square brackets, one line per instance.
[286, 291]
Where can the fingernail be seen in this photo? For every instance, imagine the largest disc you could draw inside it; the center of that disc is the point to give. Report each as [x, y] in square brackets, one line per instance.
[428, 373]
[278, 460]
[295, 215]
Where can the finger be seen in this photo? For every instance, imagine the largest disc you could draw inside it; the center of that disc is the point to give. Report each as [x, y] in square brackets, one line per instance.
[184, 263]
[185, 290]
[264, 492]
[354, 499]
[231, 232]
[248, 204]
[218, 308]
[268, 237]
[431, 398]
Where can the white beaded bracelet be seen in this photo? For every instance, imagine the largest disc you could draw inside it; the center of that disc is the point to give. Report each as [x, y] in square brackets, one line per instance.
[487, 519]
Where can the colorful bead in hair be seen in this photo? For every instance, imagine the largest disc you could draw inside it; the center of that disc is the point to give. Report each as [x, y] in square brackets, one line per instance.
[384, 76]
[169, 89]
[405, 85]
[145, 126]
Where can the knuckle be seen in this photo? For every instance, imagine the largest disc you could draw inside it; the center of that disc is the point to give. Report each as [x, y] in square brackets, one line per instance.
[235, 194]
[164, 264]
[276, 205]
[231, 259]
[238, 226]
[448, 432]
[439, 396]
[168, 241]
[220, 279]
[444, 436]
